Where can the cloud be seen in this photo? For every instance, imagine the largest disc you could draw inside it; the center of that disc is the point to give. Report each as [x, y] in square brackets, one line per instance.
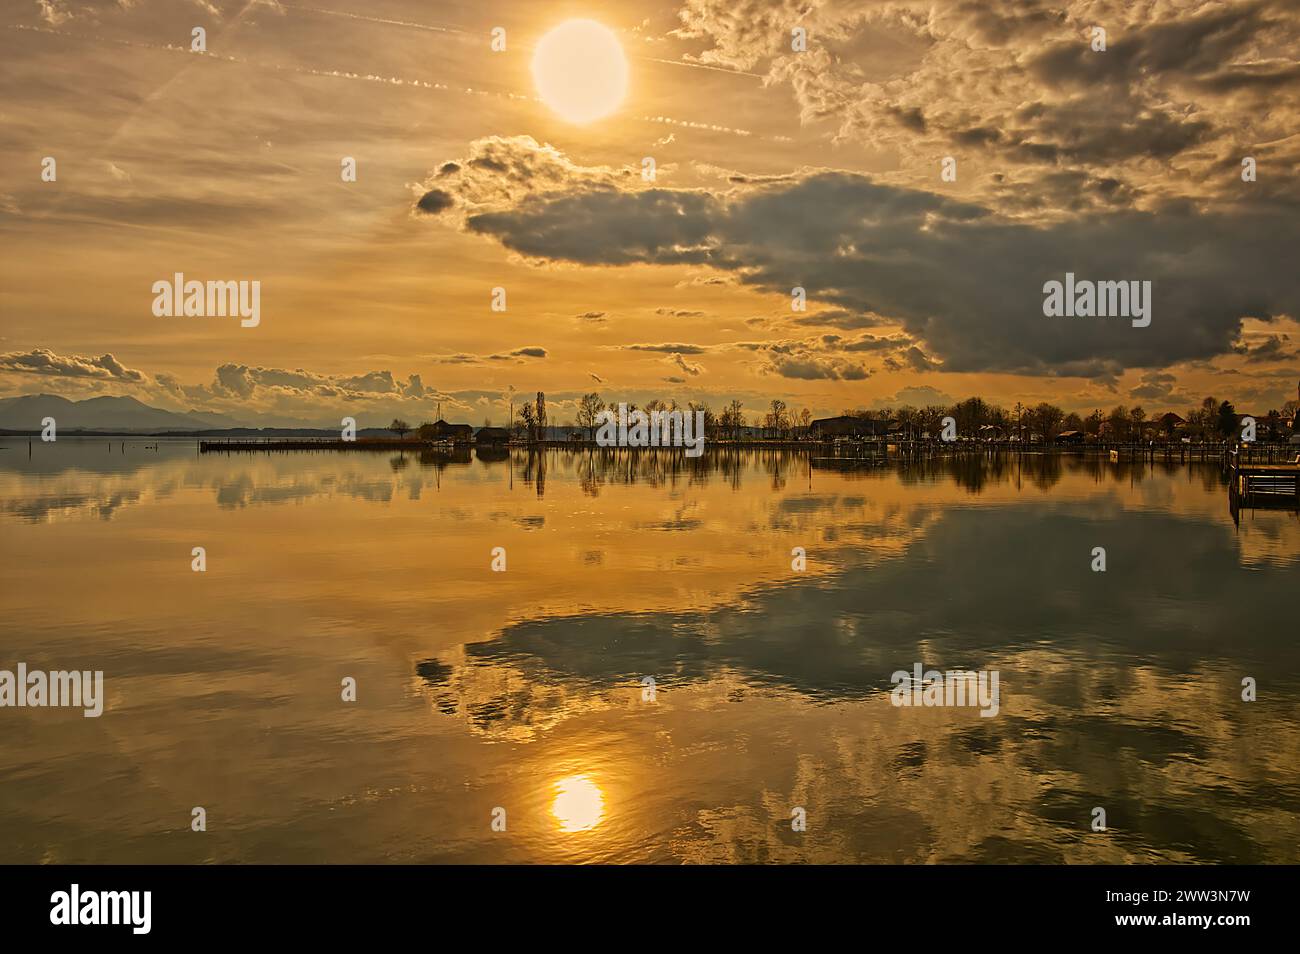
[435, 201]
[694, 370]
[667, 348]
[1155, 386]
[916, 396]
[44, 362]
[517, 355]
[1269, 348]
[958, 277]
[528, 353]
[54, 12]
[705, 280]
[1019, 87]
[842, 318]
[811, 367]
[268, 395]
[911, 359]
[502, 171]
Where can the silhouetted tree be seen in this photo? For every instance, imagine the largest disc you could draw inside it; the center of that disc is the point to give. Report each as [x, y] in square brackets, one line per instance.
[1227, 419]
[526, 418]
[589, 407]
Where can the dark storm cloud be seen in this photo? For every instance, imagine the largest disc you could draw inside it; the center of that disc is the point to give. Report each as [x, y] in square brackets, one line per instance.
[1092, 129]
[656, 224]
[966, 282]
[1196, 47]
[1270, 348]
[435, 201]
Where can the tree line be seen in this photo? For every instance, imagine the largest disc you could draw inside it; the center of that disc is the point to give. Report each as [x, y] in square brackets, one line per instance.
[1210, 421]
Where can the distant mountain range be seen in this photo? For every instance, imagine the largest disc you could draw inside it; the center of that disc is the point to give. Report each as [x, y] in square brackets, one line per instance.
[25, 413]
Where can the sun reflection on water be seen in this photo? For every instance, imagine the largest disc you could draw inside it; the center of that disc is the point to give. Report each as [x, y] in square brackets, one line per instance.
[579, 803]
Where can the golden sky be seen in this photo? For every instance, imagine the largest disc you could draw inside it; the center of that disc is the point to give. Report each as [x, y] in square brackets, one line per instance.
[774, 168]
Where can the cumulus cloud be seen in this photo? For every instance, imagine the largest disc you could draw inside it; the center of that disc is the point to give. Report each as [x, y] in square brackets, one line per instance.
[811, 367]
[268, 395]
[501, 171]
[1155, 386]
[44, 362]
[960, 278]
[1020, 85]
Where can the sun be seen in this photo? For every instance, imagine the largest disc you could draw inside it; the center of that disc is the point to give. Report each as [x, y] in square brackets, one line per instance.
[580, 70]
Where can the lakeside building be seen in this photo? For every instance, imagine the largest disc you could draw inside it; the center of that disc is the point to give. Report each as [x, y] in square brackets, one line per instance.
[440, 430]
[847, 426]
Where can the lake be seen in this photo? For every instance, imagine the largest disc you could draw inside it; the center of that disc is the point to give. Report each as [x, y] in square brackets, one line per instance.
[519, 699]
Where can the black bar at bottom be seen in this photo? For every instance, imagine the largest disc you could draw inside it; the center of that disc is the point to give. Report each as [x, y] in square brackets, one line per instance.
[334, 903]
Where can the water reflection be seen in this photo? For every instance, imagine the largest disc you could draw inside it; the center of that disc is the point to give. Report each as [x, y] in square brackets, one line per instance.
[522, 689]
[579, 803]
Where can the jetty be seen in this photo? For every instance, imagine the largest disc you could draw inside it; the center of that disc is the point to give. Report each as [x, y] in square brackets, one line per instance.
[264, 445]
[1262, 484]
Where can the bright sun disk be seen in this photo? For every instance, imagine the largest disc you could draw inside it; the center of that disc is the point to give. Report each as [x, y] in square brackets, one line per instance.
[580, 71]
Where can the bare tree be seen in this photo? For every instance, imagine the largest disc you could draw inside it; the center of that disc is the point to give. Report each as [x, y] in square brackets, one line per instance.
[589, 408]
[527, 420]
[776, 418]
[400, 427]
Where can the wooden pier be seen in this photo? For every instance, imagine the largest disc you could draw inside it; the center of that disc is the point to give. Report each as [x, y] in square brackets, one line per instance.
[1263, 484]
[318, 444]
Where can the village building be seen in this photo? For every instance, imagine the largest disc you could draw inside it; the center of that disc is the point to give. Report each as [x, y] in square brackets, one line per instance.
[846, 425]
[440, 430]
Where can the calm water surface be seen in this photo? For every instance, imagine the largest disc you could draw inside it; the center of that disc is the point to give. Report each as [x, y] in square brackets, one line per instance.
[522, 690]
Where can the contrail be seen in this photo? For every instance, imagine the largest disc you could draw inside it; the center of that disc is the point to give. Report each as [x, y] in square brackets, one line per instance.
[700, 66]
[359, 16]
[372, 78]
[304, 70]
[442, 29]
